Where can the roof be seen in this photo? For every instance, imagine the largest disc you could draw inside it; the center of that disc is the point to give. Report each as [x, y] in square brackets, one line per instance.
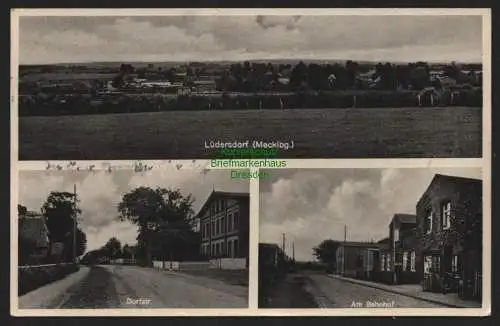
[35, 229]
[452, 179]
[361, 244]
[269, 245]
[405, 218]
[224, 194]
[384, 240]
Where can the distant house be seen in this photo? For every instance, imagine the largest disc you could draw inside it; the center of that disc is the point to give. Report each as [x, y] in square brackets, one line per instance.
[402, 248]
[204, 86]
[224, 222]
[33, 236]
[449, 217]
[357, 259]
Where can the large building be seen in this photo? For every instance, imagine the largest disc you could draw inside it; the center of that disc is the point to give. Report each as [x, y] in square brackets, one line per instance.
[449, 227]
[402, 248]
[224, 225]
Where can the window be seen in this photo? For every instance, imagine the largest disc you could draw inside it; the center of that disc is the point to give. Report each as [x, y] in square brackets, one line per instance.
[412, 262]
[213, 228]
[230, 223]
[396, 234]
[236, 248]
[454, 264]
[427, 264]
[428, 225]
[212, 251]
[222, 225]
[446, 215]
[382, 262]
[217, 228]
[436, 264]
[388, 262]
[236, 217]
[405, 261]
[223, 204]
[230, 248]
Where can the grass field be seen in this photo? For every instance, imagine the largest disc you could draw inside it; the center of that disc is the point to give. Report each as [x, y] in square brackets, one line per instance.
[317, 133]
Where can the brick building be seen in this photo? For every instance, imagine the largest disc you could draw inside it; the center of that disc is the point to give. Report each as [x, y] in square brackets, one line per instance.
[403, 244]
[449, 228]
[224, 225]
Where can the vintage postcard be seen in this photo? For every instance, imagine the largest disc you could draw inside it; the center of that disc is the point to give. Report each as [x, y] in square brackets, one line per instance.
[251, 162]
[135, 237]
[377, 238]
[307, 84]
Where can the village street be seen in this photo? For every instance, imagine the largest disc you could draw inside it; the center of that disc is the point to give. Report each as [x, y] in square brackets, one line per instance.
[334, 293]
[113, 286]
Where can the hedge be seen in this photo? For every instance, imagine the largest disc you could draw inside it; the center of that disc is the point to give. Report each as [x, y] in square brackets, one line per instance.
[32, 277]
[130, 103]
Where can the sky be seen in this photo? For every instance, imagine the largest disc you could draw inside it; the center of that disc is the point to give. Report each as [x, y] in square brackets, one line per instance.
[46, 40]
[100, 193]
[312, 205]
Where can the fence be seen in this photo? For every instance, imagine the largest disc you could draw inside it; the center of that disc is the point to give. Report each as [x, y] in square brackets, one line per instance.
[229, 263]
[176, 266]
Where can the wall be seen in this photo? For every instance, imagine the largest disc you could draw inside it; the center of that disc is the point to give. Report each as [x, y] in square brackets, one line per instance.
[466, 201]
[179, 266]
[229, 263]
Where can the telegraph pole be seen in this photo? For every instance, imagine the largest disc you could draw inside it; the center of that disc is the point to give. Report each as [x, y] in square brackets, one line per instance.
[74, 223]
[293, 251]
[343, 250]
[283, 244]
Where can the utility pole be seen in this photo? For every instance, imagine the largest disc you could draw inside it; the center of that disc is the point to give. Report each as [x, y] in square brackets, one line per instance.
[343, 249]
[293, 251]
[283, 246]
[75, 215]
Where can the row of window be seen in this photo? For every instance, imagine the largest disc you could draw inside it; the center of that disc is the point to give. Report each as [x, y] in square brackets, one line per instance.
[432, 264]
[386, 262]
[218, 206]
[221, 225]
[445, 217]
[218, 249]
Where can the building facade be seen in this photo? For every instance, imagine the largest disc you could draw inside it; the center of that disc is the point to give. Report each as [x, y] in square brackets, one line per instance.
[449, 228]
[224, 225]
[403, 244]
[358, 259]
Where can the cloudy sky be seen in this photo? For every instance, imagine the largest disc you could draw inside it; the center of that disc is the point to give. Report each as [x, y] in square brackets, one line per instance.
[100, 194]
[313, 205]
[184, 38]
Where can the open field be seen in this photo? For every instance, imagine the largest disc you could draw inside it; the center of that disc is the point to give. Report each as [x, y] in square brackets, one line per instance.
[317, 133]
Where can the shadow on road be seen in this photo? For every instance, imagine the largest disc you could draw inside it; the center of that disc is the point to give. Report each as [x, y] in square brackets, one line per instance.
[288, 293]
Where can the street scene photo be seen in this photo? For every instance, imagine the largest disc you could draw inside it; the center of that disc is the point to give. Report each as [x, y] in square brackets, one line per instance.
[371, 238]
[162, 237]
[398, 85]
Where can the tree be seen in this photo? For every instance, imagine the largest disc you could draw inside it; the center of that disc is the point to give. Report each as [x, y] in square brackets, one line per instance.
[326, 251]
[113, 248]
[163, 217]
[60, 211]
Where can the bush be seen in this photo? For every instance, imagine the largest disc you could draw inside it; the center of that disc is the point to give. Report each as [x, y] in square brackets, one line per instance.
[32, 277]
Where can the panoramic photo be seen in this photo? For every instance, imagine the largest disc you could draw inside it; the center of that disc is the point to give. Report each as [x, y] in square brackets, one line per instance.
[161, 238]
[335, 86]
[371, 238]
